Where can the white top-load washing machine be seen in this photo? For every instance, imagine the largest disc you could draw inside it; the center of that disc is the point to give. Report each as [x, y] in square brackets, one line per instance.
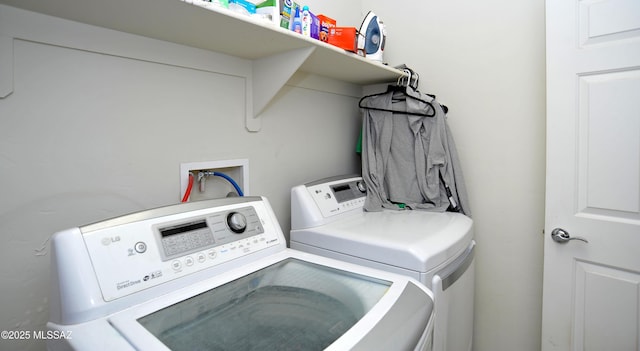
[216, 275]
[327, 219]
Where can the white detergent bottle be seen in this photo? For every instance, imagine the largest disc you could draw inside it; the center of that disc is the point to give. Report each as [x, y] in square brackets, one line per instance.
[306, 21]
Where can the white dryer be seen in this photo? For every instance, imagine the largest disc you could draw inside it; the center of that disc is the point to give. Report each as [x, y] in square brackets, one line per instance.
[216, 275]
[327, 219]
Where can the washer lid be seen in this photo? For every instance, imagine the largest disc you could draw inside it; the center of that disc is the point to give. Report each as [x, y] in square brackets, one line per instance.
[282, 306]
[415, 240]
[290, 300]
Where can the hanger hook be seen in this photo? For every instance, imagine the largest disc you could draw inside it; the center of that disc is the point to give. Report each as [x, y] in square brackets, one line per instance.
[414, 85]
[400, 81]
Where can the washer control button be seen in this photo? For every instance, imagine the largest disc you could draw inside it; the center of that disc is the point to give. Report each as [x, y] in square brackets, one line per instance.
[140, 247]
[176, 265]
[237, 222]
[189, 261]
[212, 254]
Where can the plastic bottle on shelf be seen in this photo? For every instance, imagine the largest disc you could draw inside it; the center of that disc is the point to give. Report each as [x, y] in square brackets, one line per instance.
[306, 21]
[297, 22]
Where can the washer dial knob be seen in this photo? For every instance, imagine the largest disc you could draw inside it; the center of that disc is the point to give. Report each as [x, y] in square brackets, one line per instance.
[362, 187]
[237, 222]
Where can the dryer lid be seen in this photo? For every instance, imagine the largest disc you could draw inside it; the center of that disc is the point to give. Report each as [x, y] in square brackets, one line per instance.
[414, 240]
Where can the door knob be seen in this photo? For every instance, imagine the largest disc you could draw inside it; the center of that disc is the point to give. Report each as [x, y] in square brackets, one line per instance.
[560, 235]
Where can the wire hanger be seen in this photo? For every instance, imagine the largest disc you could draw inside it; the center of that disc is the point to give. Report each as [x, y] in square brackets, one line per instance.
[412, 81]
[401, 87]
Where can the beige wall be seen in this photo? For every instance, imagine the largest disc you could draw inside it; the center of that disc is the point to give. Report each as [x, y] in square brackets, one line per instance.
[99, 122]
[486, 61]
[94, 128]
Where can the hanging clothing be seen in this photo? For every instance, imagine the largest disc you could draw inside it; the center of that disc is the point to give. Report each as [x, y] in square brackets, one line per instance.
[409, 159]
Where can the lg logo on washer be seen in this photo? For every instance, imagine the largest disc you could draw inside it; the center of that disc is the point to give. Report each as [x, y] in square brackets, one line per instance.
[108, 240]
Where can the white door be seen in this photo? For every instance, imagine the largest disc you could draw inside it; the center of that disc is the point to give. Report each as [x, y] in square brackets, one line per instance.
[592, 290]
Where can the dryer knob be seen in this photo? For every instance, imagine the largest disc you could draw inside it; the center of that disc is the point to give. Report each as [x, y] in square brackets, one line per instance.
[362, 187]
[237, 222]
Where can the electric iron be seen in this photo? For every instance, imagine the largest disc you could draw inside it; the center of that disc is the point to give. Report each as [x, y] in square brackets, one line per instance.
[372, 37]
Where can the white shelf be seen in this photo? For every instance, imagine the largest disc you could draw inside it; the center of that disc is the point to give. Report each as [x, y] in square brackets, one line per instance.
[275, 52]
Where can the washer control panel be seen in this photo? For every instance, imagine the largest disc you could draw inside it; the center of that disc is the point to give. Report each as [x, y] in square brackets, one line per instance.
[144, 253]
[184, 237]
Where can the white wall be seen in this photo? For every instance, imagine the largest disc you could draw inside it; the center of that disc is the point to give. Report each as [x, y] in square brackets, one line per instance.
[485, 60]
[99, 122]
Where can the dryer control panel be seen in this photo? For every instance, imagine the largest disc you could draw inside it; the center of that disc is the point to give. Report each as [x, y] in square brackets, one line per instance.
[335, 197]
[316, 202]
[155, 247]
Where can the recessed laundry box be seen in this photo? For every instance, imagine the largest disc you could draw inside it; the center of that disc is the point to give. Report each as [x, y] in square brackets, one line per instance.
[437, 249]
[216, 275]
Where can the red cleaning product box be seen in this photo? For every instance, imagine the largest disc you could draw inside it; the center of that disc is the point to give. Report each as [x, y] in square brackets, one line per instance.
[343, 37]
[326, 23]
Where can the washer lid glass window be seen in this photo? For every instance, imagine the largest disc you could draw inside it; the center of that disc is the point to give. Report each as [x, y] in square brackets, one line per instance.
[291, 305]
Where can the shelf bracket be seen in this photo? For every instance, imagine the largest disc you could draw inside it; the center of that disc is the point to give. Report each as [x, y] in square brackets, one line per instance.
[269, 75]
[6, 66]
